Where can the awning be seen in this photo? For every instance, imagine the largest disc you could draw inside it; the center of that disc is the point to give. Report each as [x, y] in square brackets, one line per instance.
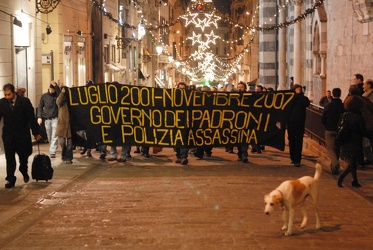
[159, 82]
[140, 75]
[112, 67]
[146, 52]
[120, 67]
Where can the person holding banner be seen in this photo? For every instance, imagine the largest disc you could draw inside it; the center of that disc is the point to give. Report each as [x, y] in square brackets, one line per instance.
[123, 154]
[63, 129]
[230, 148]
[296, 123]
[255, 148]
[244, 147]
[200, 151]
[182, 153]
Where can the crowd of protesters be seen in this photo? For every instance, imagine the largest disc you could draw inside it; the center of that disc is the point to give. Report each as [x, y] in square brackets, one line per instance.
[53, 114]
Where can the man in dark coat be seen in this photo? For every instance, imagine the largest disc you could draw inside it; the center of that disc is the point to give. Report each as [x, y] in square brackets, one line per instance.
[358, 80]
[19, 117]
[325, 100]
[330, 118]
[296, 124]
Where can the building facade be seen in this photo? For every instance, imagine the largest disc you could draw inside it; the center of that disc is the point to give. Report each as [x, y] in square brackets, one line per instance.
[322, 44]
[319, 43]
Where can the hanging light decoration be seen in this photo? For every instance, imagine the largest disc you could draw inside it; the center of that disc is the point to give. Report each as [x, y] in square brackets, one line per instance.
[141, 30]
[159, 49]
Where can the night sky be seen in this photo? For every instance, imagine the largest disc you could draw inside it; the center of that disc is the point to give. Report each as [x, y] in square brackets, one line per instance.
[222, 5]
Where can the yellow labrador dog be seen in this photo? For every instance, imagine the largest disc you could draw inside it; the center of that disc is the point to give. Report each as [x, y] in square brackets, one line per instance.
[292, 193]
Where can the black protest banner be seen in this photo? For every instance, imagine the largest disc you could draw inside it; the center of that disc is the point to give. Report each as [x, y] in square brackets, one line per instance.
[118, 114]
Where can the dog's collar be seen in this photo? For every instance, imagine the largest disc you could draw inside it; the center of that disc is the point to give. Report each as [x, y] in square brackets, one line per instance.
[282, 200]
[280, 192]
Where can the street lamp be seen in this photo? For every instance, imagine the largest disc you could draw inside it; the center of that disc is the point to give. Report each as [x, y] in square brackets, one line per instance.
[141, 30]
[140, 34]
[159, 49]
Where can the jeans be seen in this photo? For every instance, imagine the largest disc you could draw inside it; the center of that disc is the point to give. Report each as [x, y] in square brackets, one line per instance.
[333, 149]
[50, 127]
[67, 148]
[182, 153]
[123, 154]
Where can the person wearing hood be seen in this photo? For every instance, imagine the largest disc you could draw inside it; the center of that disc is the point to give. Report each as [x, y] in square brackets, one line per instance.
[48, 111]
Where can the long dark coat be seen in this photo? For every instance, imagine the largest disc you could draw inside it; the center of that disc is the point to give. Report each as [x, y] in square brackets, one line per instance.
[353, 147]
[17, 124]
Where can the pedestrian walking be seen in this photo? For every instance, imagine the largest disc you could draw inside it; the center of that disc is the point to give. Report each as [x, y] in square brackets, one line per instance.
[351, 144]
[330, 118]
[19, 117]
[48, 111]
[296, 123]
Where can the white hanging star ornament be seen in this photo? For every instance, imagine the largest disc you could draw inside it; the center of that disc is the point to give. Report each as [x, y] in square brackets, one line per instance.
[212, 19]
[189, 18]
[196, 38]
[202, 23]
[211, 38]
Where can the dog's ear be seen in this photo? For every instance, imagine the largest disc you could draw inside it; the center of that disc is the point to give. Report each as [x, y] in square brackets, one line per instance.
[277, 199]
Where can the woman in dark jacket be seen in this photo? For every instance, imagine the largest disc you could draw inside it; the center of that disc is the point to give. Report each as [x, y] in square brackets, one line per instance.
[352, 149]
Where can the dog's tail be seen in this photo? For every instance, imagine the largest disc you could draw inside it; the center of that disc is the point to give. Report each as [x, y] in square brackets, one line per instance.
[318, 171]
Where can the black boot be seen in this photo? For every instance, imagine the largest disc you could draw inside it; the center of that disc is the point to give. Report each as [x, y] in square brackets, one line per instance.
[355, 182]
[26, 177]
[342, 176]
[11, 182]
[83, 151]
[137, 150]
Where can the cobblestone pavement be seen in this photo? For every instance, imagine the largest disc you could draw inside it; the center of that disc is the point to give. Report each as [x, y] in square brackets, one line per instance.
[154, 203]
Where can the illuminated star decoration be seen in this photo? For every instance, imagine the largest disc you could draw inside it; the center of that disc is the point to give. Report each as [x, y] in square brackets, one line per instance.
[196, 38]
[190, 18]
[202, 23]
[202, 64]
[211, 38]
[213, 19]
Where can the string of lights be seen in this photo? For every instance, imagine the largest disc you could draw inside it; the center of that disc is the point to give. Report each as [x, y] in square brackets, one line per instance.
[204, 18]
[285, 24]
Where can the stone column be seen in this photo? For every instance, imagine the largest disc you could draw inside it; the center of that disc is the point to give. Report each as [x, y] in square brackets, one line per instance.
[267, 44]
[297, 42]
[282, 47]
[314, 64]
[322, 66]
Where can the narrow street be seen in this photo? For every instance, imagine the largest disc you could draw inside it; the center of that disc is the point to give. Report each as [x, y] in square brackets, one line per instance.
[154, 203]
